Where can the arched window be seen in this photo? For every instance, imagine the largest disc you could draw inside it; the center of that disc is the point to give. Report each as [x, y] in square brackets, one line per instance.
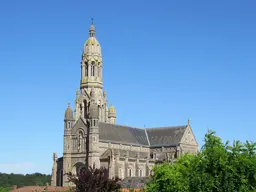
[129, 172]
[79, 168]
[85, 109]
[80, 141]
[81, 109]
[82, 170]
[140, 173]
[86, 69]
[69, 124]
[92, 69]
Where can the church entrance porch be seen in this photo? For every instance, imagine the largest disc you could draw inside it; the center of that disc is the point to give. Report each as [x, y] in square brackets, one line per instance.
[78, 167]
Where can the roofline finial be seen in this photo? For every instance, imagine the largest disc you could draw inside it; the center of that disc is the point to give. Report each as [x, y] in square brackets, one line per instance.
[68, 103]
[188, 121]
[92, 20]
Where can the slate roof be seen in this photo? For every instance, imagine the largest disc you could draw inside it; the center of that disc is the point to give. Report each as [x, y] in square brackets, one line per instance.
[122, 134]
[153, 137]
[170, 136]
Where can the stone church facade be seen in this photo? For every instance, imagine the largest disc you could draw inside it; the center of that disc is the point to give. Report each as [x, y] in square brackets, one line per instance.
[126, 151]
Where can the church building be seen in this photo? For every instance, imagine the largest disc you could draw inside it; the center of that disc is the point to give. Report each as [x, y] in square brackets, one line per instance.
[124, 150]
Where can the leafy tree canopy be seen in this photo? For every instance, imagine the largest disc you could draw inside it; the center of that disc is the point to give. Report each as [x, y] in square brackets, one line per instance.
[9, 180]
[218, 167]
[4, 189]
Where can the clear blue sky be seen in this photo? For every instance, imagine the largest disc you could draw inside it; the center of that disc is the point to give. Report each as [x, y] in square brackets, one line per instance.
[164, 61]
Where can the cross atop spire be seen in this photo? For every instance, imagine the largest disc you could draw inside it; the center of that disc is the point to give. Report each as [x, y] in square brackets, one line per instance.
[92, 20]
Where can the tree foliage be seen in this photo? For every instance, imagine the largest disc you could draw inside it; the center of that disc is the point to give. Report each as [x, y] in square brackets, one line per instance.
[217, 167]
[8, 180]
[5, 189]
[94, 180]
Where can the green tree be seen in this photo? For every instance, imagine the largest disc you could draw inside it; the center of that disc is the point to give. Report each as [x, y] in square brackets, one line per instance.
[8, 180]
[4, 189]
[217, 167]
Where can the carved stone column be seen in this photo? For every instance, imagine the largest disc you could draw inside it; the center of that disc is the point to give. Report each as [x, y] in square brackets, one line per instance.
[83, 112]
[95, 70]
[83, 71]
[126, 164]
[89, 68]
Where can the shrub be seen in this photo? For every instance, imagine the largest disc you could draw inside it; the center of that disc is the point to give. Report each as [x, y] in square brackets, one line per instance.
[94, 180]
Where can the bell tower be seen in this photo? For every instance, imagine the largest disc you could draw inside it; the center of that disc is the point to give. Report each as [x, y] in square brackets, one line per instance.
[92, 79]
[91, 63]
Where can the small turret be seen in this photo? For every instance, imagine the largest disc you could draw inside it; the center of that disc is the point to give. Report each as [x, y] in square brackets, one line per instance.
[112, 114]
[67, 141]
[68, 113]
[68, 119]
